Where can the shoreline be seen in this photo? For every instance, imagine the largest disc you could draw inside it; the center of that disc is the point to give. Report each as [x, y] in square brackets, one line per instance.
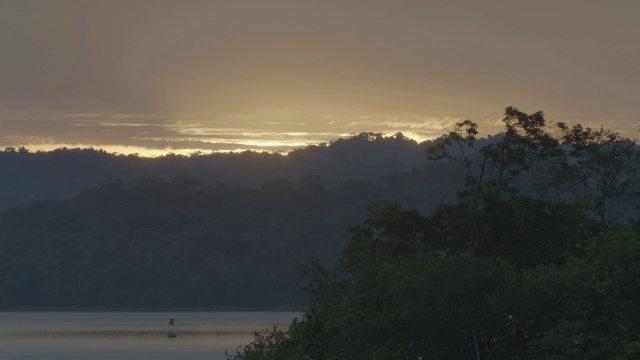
[144, 309]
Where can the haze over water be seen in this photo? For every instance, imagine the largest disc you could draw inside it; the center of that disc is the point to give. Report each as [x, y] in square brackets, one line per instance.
[130, 335]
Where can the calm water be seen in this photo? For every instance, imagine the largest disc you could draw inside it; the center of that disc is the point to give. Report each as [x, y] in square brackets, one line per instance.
[130, 335]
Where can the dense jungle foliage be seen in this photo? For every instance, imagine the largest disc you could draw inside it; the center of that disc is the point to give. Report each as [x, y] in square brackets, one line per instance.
[539, 258]
[184, 243]
[27, 176]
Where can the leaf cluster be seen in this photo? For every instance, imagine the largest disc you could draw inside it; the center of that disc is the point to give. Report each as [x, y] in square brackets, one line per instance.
[501, 274]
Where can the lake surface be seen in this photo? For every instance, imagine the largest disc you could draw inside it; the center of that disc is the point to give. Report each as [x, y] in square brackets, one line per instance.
[130, 335]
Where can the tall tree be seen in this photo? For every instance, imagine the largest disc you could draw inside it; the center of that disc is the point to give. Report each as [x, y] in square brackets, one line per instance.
[504, 273]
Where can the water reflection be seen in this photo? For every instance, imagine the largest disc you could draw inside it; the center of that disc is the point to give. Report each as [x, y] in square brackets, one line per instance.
[131, 335]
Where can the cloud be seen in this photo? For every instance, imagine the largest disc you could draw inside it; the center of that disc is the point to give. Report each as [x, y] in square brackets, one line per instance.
[258, 73]
[155, 132]
[417, 126]
[85, 116]
[258, 130]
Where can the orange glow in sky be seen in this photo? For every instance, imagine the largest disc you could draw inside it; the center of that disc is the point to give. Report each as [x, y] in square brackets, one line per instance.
[151, 76]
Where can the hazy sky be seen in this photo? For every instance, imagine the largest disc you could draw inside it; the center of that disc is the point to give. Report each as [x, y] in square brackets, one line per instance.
[152, 76]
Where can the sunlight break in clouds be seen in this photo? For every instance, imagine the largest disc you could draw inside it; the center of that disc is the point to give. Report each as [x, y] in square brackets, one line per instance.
[273, 75]
[156, 134]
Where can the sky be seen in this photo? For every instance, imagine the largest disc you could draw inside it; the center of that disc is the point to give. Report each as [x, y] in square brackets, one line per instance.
[158, 76]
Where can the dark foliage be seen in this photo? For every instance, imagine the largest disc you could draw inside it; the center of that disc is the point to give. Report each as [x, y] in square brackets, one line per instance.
[506, 272]
[28, 176]
[180, 243]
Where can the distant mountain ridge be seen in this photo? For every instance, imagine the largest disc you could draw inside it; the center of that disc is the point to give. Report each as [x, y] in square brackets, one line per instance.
[28, 176]
[219, 231]
[180, 243]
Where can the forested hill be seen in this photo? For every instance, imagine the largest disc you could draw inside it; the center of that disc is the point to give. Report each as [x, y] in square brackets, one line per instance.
[181, 243]
[218, 230]
[27, 176]
[537, 258]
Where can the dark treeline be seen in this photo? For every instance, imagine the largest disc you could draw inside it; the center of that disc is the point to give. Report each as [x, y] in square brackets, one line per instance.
[181, 243]
[538, 258]
[27, 176]
[169, 232]
[519, 254]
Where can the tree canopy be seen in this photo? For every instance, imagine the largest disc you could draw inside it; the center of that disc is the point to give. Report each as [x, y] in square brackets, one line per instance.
[512, 270]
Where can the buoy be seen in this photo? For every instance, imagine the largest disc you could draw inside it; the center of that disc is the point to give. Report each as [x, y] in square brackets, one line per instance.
[172, 331]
